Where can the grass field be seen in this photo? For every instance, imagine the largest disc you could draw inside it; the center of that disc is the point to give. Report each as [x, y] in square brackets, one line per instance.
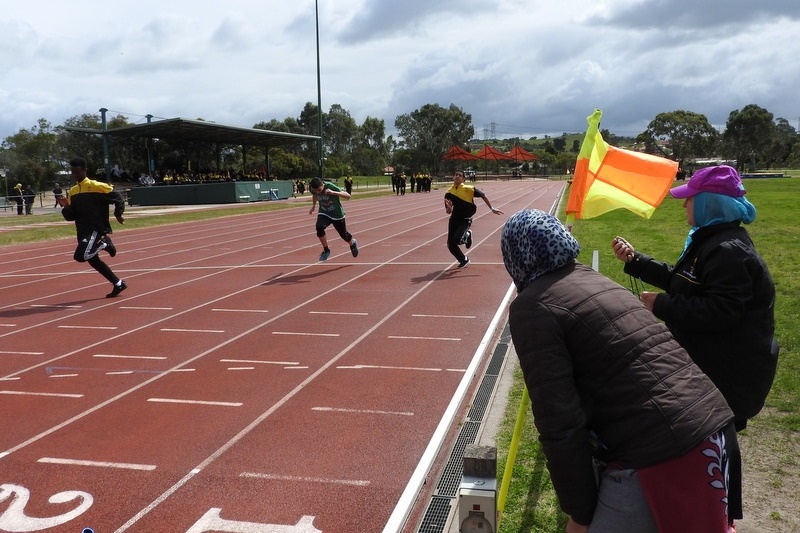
[531, 504]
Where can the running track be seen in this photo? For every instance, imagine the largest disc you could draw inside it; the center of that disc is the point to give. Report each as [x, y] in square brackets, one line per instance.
[239, 384]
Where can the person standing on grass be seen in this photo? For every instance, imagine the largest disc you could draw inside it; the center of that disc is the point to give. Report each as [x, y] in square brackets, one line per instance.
[29, 195]
[720, 298]
[331, 211]
[460, 205]
[87, 205]
[58, 193]
[637, 438]
[16, 196]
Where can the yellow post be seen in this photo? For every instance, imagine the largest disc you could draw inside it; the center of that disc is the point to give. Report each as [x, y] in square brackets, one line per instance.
[522, 412]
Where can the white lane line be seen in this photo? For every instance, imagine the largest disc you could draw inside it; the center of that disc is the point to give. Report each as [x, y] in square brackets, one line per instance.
[64, 375]
[443, 316]
[11, 379]
[88, 327]
[26, 393]
[240, 310]
[336, 313]
[8, 325]
[304, 479]
[103, 464]
[21, 353]
[143, 308]
[195, 402]
[406, 337]
[112, 356]
[57, 306]
[253, 361]
[241, 368]
[302, 334]
[387, 367]
[361, 411]
[120, 373]
[194, 330]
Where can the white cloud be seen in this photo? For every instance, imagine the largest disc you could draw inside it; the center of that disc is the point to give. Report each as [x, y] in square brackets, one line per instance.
[518, 66]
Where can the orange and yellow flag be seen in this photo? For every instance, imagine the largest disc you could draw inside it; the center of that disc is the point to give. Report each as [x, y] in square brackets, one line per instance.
[608, 178]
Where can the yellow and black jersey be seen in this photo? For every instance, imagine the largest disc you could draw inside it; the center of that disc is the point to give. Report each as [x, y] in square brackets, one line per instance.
[463, 200]
[87, 205]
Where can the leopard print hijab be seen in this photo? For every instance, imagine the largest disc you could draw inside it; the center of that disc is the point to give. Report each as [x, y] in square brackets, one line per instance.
[534, 243]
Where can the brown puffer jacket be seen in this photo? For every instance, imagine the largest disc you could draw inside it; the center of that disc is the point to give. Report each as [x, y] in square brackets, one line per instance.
[598, 364]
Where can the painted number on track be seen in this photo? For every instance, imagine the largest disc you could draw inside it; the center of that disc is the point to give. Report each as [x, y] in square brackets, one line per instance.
[15, 520]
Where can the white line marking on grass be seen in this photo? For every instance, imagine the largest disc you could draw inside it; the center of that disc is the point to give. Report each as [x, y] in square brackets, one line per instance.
[195, 402]
[304, 479]
[103, 464]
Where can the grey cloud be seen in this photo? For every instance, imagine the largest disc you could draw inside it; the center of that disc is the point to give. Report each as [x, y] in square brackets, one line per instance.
[696, 14]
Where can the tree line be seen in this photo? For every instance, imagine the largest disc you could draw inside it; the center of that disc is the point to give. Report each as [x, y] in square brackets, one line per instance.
[752, 138]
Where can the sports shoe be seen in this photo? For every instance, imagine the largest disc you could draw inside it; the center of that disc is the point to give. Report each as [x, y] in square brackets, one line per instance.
[324, 255]
[117, 289]
[468, 239]
[110, 248]
[354, 248]
[464, 263]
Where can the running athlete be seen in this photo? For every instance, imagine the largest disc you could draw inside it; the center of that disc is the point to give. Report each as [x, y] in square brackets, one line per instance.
[330, 212]
[87, 205]
[459, 204]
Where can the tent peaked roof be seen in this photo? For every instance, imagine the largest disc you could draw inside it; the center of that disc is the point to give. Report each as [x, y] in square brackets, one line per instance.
[519, 153]
[492, 154]
[456, 152]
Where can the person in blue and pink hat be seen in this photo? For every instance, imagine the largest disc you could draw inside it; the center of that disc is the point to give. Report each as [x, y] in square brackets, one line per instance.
[719, 298]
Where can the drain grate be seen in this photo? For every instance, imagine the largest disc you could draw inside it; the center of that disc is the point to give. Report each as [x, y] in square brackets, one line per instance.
[436, 515]
[442, 501]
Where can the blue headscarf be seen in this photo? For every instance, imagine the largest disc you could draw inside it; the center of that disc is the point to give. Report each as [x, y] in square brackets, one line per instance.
[711, 208]
[534, 243]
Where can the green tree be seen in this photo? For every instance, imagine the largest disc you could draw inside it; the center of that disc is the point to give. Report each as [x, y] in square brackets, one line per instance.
[686, 134]
[748, 135]
[369, 155]
[432, 129]
[31, 156]
[339, 133]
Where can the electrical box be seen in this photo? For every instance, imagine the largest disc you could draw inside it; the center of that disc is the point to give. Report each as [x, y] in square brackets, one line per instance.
[477, 505]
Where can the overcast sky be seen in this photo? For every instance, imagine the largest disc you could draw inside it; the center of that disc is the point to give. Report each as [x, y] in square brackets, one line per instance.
[519, 67]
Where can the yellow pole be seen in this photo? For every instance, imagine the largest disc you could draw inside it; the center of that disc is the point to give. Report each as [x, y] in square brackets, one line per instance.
[522, 412]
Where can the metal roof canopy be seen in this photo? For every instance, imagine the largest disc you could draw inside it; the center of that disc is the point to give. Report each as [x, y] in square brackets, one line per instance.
[184, 129]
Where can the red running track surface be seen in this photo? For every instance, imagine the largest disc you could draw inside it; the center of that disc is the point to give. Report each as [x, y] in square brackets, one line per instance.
[239, 384]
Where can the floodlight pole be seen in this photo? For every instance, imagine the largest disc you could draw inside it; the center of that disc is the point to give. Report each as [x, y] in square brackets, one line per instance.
[319, 95]
[106, 165]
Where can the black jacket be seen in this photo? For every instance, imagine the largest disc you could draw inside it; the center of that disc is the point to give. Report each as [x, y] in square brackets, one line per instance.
[719, 304]
[595, 360]
[88, 206]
